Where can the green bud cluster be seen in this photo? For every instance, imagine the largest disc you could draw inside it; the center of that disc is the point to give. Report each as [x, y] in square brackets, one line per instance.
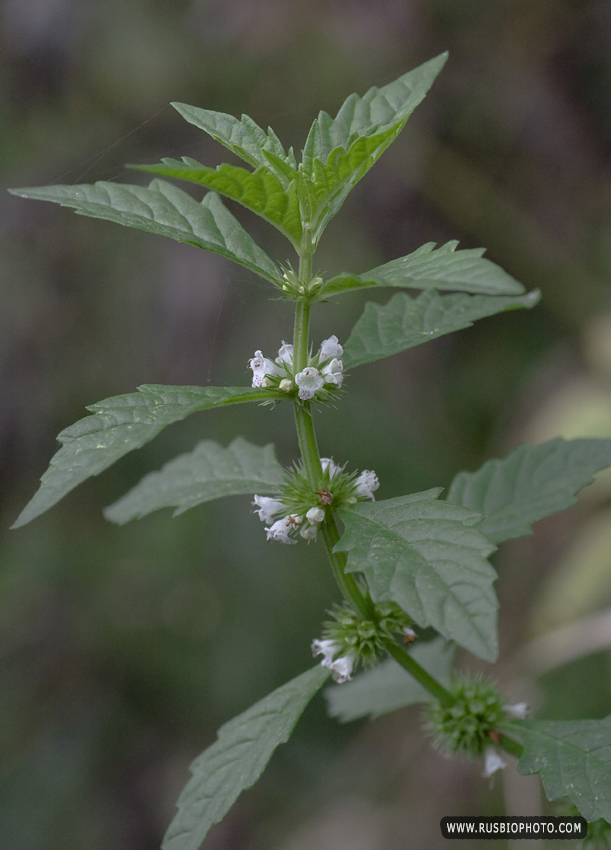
[471, 721]
[330, 491]
[297, 290]
[365, 639]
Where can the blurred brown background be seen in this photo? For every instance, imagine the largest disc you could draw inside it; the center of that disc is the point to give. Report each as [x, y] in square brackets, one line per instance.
[122, 650]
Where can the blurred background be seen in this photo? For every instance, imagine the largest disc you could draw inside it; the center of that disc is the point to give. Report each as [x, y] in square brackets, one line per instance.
[123, 649]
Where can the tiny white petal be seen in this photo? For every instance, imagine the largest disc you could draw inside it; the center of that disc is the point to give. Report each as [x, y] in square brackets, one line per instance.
[324, 647]
[286, 385]
[285, 354]
[267, 506]
[330, 348]
[308, 381]
[341, 668]
[409, 634]
[329, 463]
[280, 531]
[309, 532]
[366, 484]
[261, 367]
[333, 372]
[315, 515]
[519, 710]
[492, 762]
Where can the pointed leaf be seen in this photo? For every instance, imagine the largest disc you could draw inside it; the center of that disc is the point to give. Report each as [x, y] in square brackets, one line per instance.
[388, 686]
[166, 210]
[573, 758]
[238, 758]
[430, 561]
[406, 322]
[243, 137]
[377, 110]
[432, 268]
[324, 192]
[260, 191]
[530, 483]
[119, 425]
[208, 472]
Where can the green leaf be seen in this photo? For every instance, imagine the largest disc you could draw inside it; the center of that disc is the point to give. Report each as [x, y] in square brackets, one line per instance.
[573, 758]
[405, 322]
[168, 211]
[325, 190]
[388, 686]
[340, 151]
[429, 560]
[429, 268]
[208, 472]
[244, 138]
[238, 758]
[260, 191]
[378, 110]
[530, 483]
[119, 425]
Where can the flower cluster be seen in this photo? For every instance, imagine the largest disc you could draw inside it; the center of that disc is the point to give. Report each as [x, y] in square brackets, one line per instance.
[473, 721]
[340, 667]
[348, 639]
[300, 509]
[323, 373]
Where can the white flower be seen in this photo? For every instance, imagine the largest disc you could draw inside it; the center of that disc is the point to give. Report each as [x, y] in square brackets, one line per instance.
[325, 647]
[281, 528]
[308, 381]
[333, 372]
[309, 532]
[366, 483]
[315, 515]
[330, 348]
[285, 354]
[492, 762]
[329, 463]
[519, 710]
[286, 385]
[341, 668]
[261, 367]
[267, 506]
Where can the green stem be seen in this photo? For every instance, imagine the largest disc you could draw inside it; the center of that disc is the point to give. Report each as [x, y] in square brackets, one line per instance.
[346, 581]
[419, 673]
[510, 746]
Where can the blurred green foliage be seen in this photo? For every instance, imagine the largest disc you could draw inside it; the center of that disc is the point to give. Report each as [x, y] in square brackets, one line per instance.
[123, 649]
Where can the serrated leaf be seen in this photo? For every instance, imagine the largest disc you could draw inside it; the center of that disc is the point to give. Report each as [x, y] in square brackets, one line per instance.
[237, 759]
[430, 561]
[378, 110]
[340, 151]
[406, 322]
[388, 686]
[530, 483]
[243, 137]
[573, 758]
[208, 472]
[165, 210]
[119, 425]
[260, 191]
[428, 267]
[330, 183]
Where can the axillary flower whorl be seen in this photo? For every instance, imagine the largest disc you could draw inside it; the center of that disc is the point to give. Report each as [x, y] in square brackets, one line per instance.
[323, 374]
